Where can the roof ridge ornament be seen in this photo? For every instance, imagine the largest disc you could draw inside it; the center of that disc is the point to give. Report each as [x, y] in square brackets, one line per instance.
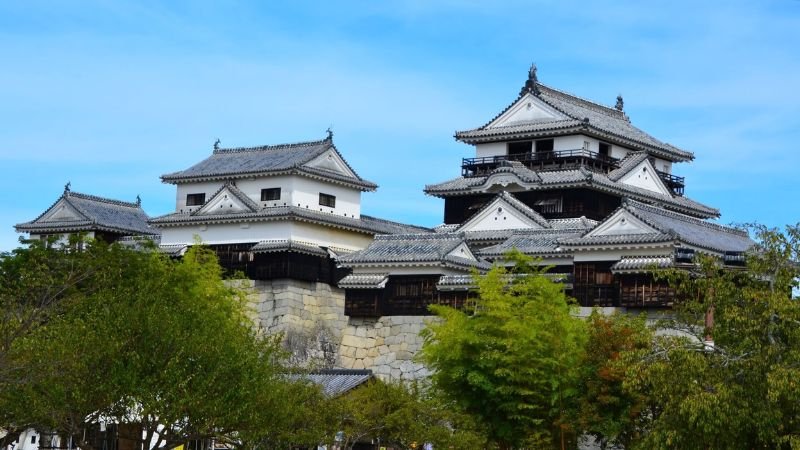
[620, 103]
[329, 131]
[67, 188]
[532, 84]
[138, 200]
[216, 144]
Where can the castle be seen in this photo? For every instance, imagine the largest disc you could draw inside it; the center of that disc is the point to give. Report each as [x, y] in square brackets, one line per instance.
[555, 176]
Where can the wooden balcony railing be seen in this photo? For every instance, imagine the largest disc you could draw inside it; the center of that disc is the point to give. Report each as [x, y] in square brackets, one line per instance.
[557, 159]
[674, 183]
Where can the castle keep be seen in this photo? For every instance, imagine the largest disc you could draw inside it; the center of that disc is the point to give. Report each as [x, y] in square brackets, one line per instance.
[555, 176]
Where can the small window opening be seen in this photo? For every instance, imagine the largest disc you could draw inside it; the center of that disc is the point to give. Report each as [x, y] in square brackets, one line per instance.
[327, 200]
[270, 194]
[604, 149]
[195, 199]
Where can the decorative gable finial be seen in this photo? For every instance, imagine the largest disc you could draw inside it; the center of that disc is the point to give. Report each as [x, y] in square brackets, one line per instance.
[532, 84]
[216, 144]
[330, 134]
[138, 200]
[66, 187]
[620, 103]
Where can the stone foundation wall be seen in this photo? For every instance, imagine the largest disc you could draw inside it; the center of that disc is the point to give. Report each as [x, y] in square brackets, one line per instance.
[318, 334]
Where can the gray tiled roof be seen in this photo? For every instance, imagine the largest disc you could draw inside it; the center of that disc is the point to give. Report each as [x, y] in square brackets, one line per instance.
[364, 281]
[365, 224]
[412, 249]
[533, 242]
[573, 223]
[335, 382]
[242, 162]
[583, 116]
[581, 177]
[628, 163]
[642, 263]
[690, 230]
[98, 214]
[620, 239]
[288, 245]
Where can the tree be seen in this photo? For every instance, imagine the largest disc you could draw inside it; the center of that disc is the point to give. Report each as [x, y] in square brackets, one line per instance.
[161, 345]
[605, 410]
[396, 414]
[742, 390]
[511, 361]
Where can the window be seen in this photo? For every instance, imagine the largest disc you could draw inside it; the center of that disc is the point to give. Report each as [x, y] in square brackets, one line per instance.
[195, 199]
[519, 148]
[270, 194]
[327, 200]
[605, 149]
[548, 205]
[545, 146]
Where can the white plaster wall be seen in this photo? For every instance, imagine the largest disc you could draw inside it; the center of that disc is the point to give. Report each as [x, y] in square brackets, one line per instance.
[207, 187]
[616, 255]
[643, 177]
[227, 233]
[328, 236]
[294, 190]
[306, 192]
[573, 142]
[491, 149]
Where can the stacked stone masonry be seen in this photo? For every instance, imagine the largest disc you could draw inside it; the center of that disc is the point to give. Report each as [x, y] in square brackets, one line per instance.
[318, 334]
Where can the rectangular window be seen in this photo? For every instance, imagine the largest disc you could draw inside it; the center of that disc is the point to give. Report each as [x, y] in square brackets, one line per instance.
[545, 146]
[270, 194]
[327, 200]
[605, 149]
[519, 148]
[195, 199]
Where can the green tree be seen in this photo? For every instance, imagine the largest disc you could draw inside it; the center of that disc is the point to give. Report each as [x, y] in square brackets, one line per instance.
[742, 391]
[397, 415]
[162, 345]
[511, 362]
[605, 410]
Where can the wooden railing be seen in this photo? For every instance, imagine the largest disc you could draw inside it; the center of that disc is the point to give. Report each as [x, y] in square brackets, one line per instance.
[557, 159]
[673, 182]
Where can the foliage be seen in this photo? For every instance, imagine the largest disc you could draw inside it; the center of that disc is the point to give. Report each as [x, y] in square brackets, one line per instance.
[605, 410]
[394, 414]
[511, 363]
[141, 339]
[742, 391]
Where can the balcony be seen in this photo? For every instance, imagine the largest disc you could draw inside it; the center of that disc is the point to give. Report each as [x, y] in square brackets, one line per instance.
[675, 184]
[554, 160]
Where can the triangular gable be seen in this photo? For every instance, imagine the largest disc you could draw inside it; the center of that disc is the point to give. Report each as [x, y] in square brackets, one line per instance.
[332, 161]
[503, 214]
[621, 222]
[60, 212]
[225, 201]
[644, 176]
[462, 251]
[528, 108]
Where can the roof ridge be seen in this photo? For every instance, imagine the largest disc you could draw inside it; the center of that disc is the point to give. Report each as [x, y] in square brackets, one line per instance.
[394, 222]
[236, 193]
[682, 217]
[420, 236]
[218, 151]
[591, 104]
[100, 199]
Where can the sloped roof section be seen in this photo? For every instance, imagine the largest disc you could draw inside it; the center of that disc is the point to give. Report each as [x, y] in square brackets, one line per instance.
[532, 242]
[335, 382]
[570, 178]
[288, 245]
[633, 264]
[90, 213]
[364, 281]
[582, 116]
[230, 163]
[693, 231]
[428, 248]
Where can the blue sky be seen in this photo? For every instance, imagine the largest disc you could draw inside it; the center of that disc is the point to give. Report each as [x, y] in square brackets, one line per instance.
[111, 94]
